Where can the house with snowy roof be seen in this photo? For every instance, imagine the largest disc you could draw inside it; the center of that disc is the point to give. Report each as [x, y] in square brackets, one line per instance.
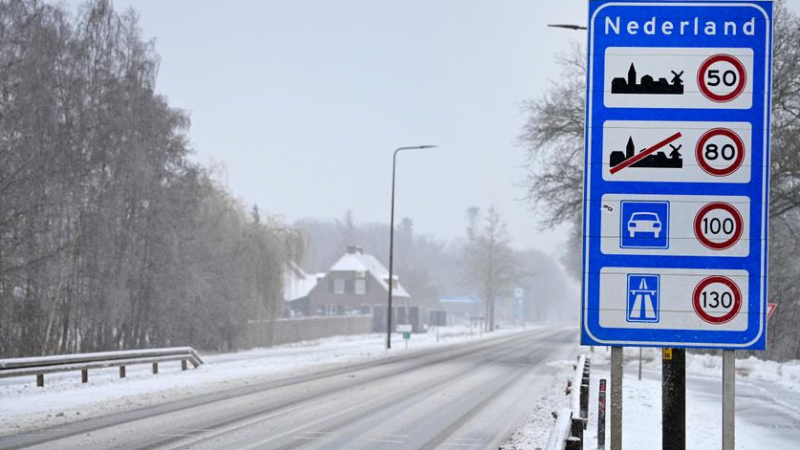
[297, 284]
[355, 284]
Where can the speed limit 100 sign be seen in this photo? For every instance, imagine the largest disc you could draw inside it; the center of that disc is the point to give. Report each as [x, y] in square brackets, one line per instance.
[676, 194]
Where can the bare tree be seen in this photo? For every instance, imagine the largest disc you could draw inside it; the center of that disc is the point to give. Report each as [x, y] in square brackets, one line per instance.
[488, 261]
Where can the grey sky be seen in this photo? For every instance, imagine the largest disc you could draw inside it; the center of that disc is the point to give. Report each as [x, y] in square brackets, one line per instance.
[304, 101]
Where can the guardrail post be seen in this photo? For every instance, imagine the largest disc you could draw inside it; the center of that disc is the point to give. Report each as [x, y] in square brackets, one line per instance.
[184, 366]
[84, 375]
[122, 371]
[584, 395]
[155, 368]
[40, 380]
[576, 431]
[585, 399]
[574, 443]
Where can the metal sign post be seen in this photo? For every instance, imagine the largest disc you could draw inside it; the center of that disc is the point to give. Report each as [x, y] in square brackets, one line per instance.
[728, 399]
[616, 398]
[673, 399]
[676, 183]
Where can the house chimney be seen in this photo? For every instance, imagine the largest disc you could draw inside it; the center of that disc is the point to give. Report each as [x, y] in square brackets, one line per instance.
[351, 249]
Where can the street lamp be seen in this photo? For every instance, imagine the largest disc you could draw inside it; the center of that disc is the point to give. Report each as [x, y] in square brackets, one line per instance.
[567, 26]
[391, 243]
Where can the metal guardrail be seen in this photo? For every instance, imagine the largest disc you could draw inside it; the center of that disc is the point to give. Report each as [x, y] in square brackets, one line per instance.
[39, 366]
[567, 434]
[561, 431]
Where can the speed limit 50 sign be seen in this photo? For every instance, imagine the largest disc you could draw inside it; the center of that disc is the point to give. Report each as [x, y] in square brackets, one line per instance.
[676, 188]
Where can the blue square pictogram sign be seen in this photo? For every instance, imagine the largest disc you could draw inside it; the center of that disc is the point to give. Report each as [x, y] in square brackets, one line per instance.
[644, 225]
[644, 298]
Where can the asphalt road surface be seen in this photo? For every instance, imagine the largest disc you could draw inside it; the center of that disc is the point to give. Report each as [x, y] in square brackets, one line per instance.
[466, 396]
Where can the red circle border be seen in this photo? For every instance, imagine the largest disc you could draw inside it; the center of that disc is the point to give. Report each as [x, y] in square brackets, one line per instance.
[737, 217]
[737, 300]
[739, 68]
[707, 167]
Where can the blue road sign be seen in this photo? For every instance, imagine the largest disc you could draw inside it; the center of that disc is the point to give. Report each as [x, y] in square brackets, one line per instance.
[643, 294]
[676, 190]
[644, 224]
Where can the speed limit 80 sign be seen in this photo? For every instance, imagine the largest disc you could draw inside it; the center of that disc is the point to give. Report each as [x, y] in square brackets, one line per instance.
[676, 191]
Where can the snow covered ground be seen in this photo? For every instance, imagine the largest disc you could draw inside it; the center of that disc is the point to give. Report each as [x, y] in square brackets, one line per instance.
[535, 432]
[64, 399]
[767, 403]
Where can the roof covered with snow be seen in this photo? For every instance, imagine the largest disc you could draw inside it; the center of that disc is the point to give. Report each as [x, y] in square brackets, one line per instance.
[358, 261]
[297, 283]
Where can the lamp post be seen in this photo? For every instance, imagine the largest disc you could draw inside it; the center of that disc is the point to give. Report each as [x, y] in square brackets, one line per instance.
[391, 244]
[567, 26]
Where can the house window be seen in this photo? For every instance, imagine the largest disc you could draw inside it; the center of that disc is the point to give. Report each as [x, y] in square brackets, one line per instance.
[361, 286]
[338, 286]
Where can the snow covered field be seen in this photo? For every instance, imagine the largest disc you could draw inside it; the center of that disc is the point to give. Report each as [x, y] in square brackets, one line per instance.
[64, 399]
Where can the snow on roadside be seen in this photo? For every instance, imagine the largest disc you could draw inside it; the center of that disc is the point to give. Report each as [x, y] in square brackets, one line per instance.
[642, 401]
[64, 399]
[641, 418]
[785, 374]
[535, 432]
[642, 404]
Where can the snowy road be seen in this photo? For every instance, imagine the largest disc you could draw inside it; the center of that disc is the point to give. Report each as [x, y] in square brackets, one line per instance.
[464, 396]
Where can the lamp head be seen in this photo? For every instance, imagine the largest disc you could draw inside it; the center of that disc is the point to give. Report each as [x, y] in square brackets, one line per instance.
[567, 26]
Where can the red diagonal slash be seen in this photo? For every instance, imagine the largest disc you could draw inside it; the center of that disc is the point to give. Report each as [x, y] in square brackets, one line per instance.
[638, 157]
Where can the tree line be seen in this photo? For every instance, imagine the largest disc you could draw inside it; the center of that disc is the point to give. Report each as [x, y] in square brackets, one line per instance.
[552, 139]
[110, 236]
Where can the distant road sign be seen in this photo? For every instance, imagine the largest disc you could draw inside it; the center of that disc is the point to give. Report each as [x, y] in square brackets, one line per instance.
[771, 307]
[676, 191]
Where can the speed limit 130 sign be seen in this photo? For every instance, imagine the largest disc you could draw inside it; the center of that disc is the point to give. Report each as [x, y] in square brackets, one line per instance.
[676, 188]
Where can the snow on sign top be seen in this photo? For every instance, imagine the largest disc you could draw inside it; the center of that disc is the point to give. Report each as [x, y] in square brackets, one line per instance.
[676, 185]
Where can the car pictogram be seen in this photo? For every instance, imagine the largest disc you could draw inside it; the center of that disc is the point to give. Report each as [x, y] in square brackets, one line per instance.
[644, 222]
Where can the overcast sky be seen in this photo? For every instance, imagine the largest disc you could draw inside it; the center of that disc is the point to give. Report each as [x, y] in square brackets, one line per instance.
[303, 101]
